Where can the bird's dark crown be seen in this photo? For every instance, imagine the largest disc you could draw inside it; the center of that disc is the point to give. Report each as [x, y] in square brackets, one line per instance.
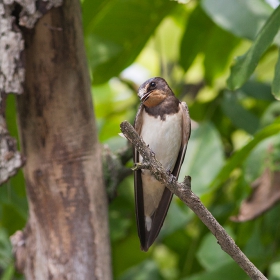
[156, 83]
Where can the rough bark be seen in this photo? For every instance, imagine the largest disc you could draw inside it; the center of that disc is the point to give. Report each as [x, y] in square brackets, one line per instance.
[67, 233]
[11, 78]
[183, 191]
[12, 70]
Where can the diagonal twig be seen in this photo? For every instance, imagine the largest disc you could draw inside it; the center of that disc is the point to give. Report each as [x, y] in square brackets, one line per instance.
[184, 192]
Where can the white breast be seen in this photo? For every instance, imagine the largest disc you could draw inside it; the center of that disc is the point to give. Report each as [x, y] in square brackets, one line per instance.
[163, 137]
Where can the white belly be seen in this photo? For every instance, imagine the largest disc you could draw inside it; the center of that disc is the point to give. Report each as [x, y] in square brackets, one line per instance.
[164, 139]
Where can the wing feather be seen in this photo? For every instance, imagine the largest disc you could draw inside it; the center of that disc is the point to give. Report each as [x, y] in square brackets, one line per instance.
[138, 187]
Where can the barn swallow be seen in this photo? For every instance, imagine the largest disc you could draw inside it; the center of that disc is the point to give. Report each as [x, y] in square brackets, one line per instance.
[164, 124]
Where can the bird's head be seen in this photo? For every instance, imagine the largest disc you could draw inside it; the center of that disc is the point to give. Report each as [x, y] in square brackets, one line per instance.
[154, 91]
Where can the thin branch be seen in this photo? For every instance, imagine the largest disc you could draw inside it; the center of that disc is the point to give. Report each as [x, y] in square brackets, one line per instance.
[183, 191]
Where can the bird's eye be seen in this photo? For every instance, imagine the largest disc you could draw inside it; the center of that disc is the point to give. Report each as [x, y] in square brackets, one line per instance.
[153, 85]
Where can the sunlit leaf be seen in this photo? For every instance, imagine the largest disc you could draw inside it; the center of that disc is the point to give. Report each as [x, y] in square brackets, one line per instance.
[246, 64]
[274, 271]
[239, 156]
[167, 261]
[242, 18]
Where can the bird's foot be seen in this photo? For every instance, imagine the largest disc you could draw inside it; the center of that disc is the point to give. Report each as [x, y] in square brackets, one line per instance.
[139, 166]
[187, 181]
[153, 154]
[171, 177]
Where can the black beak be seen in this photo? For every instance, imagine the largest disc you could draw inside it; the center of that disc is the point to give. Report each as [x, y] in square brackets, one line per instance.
[146, 96]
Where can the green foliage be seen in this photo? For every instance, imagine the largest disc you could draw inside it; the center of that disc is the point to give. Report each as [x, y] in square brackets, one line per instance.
[208, 38]
[242, 18]
[246, 64]
[205, 254]
[191, 45]
[239, 156]
[203, 162]
[228, 271]
[119, 31]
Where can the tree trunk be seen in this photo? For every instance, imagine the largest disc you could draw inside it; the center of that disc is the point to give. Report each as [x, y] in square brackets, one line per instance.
[67, 233]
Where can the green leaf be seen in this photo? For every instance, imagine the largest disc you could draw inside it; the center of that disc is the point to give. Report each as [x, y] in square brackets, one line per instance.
[198, 30]
[119, 31]
[121, 209]
[204, 157]
[145, 270]
[113, 103]
[246, 64]
[11, 116]
[215, 62]
[242, 18]
[239, 156]
[5, 249]
[130, 248]
[203, 36]
[210, 254]
[239, 116]
[257, 90]
[255, 248]
[167, 262]
[257, 160]
[274, 271]
[12, 219]
[8, 273]
[271, 113]
[91, 9]
[229, 271]
[276, 79]
[177, 218]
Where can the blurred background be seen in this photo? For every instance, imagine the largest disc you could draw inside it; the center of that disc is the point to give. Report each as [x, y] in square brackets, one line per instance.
[233, 155]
